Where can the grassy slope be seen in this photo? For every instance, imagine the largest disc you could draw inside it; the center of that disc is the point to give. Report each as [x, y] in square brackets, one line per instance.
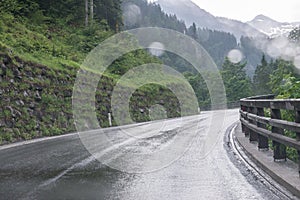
[56, 46]
[38, 66]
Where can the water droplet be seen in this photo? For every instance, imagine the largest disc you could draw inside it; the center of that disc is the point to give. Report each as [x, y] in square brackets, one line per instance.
[235, 56]
[204, 35]
[156, 49]
[297, 50]
[297, 62]
[131, 14]
[157, 112]
[289, 52]
[280, 47]
[280, 42]
[273, 51]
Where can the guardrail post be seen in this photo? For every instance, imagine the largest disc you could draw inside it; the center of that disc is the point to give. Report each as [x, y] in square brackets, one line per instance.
[244, 128]
[263, 142]
[279, 149]
[253, 135]
[297, 119]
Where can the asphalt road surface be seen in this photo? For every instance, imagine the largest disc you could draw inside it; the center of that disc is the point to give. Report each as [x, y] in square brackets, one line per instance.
[172, 159]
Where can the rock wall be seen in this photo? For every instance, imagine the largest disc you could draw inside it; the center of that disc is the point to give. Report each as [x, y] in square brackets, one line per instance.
[36, 101]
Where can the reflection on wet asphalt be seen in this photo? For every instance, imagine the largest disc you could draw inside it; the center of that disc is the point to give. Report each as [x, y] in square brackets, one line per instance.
[62, 168]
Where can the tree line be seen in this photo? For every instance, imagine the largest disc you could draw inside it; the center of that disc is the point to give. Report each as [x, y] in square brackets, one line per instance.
[269, 76]
[72, 12]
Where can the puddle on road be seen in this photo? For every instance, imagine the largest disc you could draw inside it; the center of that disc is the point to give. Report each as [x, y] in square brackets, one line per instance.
[95, 181]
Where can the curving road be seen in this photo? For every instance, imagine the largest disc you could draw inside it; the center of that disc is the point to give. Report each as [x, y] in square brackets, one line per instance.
[173, 159]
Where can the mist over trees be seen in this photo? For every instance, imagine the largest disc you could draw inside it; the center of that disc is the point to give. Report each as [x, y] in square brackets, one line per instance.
[218, 44]
[94, 20]
[150, 15]
[43, 43]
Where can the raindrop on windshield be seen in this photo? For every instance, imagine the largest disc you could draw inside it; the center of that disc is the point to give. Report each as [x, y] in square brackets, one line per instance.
[156, 49]
[235, 56]
[297, 62]
[131, 14]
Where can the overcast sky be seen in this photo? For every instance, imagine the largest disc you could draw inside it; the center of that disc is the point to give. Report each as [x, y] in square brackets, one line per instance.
[246, 10]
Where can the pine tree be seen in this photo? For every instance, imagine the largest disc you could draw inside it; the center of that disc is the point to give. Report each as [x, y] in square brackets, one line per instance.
[294, 35]
[237, 83]
[192, 31]
[262, 78]
[282, 71]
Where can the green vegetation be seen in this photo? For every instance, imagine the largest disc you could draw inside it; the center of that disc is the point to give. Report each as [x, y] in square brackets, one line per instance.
[152, 15]
[261, 77]
[42, 46]
[216, 43]
[281, 78]
[43, 43]
[285, 83]
[52, 44]
[236, 82]
[41, 50]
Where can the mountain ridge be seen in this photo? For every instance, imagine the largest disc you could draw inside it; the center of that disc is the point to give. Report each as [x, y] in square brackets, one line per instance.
[271, 27]
[260, 26]
[192, 13]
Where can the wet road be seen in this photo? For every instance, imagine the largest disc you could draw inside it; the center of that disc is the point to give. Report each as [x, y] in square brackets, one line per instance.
[184, 159]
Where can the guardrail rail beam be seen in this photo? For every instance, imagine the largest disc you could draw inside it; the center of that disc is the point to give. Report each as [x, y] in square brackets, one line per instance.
[262, 128]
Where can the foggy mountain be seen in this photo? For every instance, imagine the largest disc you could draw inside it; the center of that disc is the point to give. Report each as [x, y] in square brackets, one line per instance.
[190, 12]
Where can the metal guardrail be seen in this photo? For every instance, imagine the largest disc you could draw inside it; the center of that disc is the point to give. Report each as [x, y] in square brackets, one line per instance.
[260, 128]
